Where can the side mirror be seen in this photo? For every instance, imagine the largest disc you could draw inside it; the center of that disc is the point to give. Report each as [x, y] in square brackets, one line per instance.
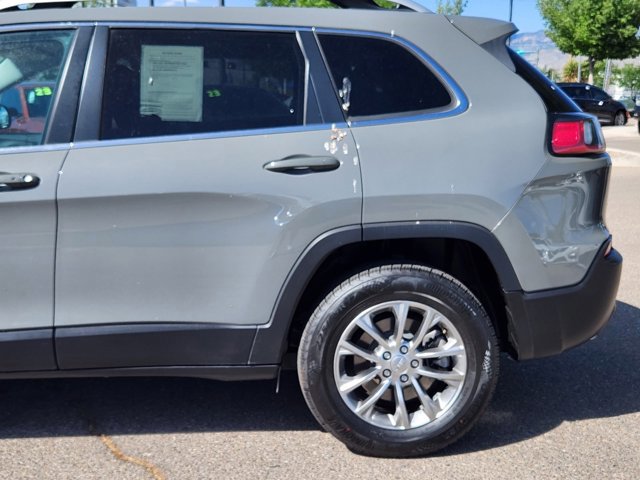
[5, 118]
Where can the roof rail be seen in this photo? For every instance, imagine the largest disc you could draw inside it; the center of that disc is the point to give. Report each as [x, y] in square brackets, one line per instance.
[357, 4]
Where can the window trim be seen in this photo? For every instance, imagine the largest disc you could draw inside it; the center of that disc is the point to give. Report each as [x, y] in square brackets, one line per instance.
[459, 101]
[90, 108]
[92, 76]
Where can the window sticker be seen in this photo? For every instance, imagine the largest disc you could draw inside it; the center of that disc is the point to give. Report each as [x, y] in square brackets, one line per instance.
[171, 82]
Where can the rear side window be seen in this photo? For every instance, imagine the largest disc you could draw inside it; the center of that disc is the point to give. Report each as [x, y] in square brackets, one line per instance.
[577, 92]
[376, 77]
[168, 82]
[599, 95]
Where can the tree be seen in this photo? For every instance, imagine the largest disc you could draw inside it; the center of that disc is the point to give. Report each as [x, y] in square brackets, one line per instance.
[295, 3]
[629, 78]
[451, 7]
[570, 71]
[597, 29]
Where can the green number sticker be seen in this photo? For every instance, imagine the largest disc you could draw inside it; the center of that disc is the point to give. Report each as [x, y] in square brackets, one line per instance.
[43, 91]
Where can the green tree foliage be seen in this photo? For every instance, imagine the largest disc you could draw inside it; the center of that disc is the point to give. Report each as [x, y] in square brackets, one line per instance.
[597, 29]
[570, 71]
[295, 3]
[451, 7]
[629, 78]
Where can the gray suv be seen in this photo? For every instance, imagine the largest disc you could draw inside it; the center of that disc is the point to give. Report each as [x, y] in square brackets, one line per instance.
[223, 193]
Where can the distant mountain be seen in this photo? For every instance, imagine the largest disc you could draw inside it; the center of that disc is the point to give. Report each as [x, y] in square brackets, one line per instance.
[539, 50]
[532, 40]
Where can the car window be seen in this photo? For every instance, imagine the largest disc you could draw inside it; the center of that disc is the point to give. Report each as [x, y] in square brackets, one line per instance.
[577, 92]
[168, 82]
[30, 68]
[599, 95]
[585, 92]
[376, 77]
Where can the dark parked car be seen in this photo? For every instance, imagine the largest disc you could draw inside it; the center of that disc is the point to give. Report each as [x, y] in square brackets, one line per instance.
[594, 100]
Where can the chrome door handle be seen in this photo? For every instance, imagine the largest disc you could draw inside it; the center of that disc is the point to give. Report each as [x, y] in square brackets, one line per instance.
[18, 181]
[302, 164]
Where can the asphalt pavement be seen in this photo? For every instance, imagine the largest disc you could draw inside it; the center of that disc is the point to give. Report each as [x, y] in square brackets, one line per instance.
[623, 144]
[573, 416]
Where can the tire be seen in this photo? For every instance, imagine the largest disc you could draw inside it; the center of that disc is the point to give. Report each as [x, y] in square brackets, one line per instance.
[407, 398]
[619, 119]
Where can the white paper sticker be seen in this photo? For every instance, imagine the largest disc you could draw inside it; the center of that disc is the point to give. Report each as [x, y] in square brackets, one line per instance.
[171, 85]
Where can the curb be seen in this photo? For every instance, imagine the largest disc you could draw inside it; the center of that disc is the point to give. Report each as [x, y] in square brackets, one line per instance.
[624, 158]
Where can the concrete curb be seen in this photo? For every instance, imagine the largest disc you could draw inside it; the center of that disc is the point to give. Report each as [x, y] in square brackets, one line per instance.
[624, 158]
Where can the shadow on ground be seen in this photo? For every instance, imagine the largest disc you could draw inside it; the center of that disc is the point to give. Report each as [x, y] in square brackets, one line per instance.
[599, 379]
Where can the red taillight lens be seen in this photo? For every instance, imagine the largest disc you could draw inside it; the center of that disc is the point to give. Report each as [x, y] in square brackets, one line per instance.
[574, 137]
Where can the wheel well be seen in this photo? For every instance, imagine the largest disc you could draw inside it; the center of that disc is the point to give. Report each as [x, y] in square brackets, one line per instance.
[462, 259]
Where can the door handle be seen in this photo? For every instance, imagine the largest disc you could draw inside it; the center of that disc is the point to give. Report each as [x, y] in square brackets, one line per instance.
[18, 181]
[303, 164]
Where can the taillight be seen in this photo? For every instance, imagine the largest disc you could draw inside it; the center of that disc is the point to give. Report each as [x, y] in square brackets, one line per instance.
[575, 137]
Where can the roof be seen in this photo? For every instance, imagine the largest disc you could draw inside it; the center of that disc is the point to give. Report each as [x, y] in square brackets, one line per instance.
[401, 22]
[255, 15]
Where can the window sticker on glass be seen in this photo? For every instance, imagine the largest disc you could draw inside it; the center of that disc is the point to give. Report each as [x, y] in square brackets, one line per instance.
[171, 82]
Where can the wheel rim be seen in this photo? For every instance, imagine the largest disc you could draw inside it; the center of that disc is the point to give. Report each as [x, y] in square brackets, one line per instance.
[619, 120]
[400, 365]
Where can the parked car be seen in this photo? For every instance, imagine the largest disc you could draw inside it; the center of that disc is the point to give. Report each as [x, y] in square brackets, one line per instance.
[224, 192]
[28, 104]
[594, 100]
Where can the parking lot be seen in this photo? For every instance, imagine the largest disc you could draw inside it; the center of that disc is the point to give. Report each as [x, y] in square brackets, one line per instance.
[572, 416]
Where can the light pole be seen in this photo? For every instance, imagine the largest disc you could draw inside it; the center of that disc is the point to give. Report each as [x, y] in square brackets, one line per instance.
[511, 18]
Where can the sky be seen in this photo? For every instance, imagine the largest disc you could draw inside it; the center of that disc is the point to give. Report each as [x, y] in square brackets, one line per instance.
[525, 13]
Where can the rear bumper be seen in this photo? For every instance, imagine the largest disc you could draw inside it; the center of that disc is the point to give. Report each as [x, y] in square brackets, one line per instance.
[549, 322]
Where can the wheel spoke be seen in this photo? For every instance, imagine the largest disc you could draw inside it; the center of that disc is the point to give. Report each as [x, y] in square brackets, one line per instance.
[428, 405]
[372, 358]
[401, 416]
[400, 312]
[449, 349]
[366, 405]
[427, 322]
[444, 375]
[348, 348]
[350, 383]
[370, 329]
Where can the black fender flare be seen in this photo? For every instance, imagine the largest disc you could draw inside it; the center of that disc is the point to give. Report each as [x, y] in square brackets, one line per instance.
[271, 339]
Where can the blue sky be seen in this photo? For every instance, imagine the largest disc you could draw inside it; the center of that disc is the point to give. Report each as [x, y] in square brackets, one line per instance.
[525, 13]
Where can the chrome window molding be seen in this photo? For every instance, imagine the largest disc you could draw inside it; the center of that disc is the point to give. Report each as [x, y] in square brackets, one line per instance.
[203, 26]
[35, 148]
[459, 101]
[20, 27]
[208, 136]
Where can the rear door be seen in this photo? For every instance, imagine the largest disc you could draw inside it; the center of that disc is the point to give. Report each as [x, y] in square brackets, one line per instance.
[31, 155]
[602, 105]
[214, 166]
